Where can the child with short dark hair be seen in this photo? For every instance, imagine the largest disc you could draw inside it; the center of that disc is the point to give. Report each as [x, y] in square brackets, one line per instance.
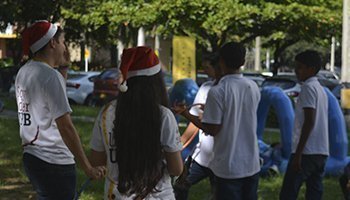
[230, 117]
[310, 135]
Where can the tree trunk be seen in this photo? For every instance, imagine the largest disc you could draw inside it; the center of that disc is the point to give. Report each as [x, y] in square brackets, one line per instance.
[82, 55]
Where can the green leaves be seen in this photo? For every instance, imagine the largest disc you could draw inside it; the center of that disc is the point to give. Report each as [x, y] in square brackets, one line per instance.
[211, 22]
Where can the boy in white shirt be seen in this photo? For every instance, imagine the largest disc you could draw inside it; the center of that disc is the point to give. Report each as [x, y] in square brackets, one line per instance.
[203, 151]
[49, 140]
[310, 135]
[230, 116]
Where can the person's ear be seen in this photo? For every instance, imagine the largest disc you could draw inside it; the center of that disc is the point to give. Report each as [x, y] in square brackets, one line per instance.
[52, 43]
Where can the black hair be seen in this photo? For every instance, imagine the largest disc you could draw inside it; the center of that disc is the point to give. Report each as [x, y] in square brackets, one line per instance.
[310, 58]
[233, 55]
[137, 130]
[212, 58]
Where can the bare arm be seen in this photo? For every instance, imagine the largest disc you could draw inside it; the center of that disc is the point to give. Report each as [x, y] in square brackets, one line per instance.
[174, 163]
[188, 135]
[211, 129]
[98, 158]
[72, 140]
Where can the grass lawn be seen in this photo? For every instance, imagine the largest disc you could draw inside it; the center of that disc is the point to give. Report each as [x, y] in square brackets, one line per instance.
[14, 184]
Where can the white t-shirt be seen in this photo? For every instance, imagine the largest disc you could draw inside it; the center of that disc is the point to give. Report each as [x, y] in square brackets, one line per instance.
[101, 141]
[204, 149]
[312, 95]
[41, 99]
[233, 103]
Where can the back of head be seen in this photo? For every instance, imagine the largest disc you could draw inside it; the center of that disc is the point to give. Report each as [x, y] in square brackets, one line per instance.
[37, 36]
[310, 58]
[233, 55]
[137, 126]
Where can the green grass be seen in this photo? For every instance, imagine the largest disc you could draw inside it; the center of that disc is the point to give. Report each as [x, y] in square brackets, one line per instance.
[81, 110]
[9, 102]
[78, 110]
[14, 184]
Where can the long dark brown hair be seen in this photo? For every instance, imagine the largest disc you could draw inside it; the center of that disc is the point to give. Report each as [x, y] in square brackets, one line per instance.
[137, 129]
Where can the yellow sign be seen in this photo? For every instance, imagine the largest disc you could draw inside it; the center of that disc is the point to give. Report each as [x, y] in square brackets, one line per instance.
[184, 58]
[7, 36]
[345, 98]
[87, 54]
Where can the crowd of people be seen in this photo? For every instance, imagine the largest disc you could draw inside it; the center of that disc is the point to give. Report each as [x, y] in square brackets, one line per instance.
[136, 144]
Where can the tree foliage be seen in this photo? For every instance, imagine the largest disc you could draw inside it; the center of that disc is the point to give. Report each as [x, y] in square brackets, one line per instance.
[280, 23]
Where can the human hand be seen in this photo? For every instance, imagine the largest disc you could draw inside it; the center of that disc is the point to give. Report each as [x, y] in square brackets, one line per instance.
[296, 163]
[179, 108]
[96, 172]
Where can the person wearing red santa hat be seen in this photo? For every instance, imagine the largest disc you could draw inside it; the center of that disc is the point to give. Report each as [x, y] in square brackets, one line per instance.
[136, 135]
[49, 140]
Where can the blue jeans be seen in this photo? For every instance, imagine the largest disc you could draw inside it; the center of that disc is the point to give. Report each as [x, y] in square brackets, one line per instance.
[237, 189]
[312, 173]
[196, 173]
[50, 181]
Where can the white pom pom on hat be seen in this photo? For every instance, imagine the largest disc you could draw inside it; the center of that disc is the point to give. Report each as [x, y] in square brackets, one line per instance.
[123, 87]
[138, 61]
[37, 35]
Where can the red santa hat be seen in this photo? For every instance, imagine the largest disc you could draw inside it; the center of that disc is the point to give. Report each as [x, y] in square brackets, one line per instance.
[138, 61]
[37, 35]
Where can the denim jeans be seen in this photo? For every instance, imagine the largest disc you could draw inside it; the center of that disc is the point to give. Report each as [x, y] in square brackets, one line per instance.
[50, 181]
[312, 173]
[196, 173]
[237, 189]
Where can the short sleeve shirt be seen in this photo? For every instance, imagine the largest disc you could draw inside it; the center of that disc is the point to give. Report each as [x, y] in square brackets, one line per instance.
[41, 99]
[102, 141]
[312, 95]
[203, 152]
[233, 104]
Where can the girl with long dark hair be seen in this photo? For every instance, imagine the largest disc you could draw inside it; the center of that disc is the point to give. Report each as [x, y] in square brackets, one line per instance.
[137, 135]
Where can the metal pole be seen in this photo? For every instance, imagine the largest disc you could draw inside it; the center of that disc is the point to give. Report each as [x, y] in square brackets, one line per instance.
[141, 37]
[345, 77]
[257, 54]
[332, 54]
[268, 59]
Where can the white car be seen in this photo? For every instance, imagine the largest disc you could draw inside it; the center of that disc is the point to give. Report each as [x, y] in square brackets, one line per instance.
[80, 86]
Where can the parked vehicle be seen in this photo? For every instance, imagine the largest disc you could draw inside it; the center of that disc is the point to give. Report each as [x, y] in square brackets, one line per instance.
[290, 85]
[80, 86]
[287, 82]
[106, 86]
[258, 78]
[328, 79]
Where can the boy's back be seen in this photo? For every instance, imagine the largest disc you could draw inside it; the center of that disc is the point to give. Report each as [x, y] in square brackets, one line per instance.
[235, 147]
